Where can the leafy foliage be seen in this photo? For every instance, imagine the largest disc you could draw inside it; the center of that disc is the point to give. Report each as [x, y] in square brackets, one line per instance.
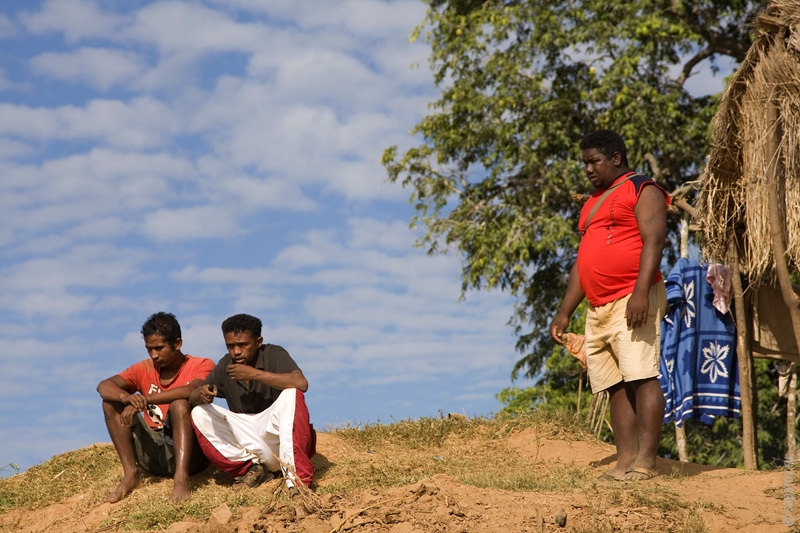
[498, 171]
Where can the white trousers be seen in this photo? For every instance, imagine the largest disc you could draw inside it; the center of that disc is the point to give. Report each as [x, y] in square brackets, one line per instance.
[263, 437]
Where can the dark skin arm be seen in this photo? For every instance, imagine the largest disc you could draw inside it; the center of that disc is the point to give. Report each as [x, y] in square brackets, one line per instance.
[115, 389]
[651, 217]
[572, 299]
[290, 380]
[239, 372]
[202, 394]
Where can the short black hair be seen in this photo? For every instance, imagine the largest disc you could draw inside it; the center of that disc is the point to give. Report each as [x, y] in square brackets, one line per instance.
[164, 324]
[607, 142]
[241, 323]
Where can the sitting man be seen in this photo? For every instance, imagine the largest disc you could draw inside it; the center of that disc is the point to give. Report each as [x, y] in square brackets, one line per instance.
[161, 442]
[266, 426]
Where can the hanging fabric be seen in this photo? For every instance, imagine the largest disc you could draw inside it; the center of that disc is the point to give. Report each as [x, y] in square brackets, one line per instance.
[699, 371]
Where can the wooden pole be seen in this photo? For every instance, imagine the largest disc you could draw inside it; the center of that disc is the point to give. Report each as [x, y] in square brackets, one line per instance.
[791, 415]
[745, 358]
[777, 227]
[680, 431]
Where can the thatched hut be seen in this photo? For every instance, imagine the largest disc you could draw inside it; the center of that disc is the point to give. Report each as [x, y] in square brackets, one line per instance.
[734, 192]
[749, 197]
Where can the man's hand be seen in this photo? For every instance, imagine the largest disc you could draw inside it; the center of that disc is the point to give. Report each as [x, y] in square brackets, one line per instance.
[203, 394]
[636, 311]
[572, 299]
[136, 400]
[126, 417]
[243, 372]
[557, 328]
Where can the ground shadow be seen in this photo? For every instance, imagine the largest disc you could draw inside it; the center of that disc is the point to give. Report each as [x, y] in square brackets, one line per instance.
[321, 465]
[666, 467]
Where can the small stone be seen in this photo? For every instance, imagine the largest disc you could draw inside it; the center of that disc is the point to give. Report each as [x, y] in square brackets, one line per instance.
[221, 515]
[561, 518]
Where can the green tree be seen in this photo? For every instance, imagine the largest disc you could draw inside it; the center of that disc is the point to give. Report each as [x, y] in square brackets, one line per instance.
[497, 176]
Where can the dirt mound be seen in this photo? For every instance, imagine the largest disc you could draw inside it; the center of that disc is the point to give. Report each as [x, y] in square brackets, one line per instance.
[684, 497]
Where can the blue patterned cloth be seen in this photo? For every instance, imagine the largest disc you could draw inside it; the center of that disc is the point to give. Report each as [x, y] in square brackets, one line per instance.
[699, 374]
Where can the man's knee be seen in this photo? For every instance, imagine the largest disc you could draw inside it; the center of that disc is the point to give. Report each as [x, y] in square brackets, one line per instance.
[179, 409]
[112, 410]
[199, 412]
[287, 396]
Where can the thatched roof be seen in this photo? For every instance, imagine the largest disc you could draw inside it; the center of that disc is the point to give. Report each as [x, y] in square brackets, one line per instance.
[733, 192]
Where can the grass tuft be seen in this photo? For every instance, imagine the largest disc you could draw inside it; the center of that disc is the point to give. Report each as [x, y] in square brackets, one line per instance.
[372, 456]
[59, 478]
[410, 450]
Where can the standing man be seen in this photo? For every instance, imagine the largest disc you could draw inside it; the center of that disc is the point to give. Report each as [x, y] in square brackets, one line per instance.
[623, 225]
[160, 441]
[266, 426]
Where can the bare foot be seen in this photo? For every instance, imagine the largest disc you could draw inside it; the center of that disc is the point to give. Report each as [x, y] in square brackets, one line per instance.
[638, 473]
[127, 485]
[614, 473]
[179, 494]
[611, 476]
[180, 489]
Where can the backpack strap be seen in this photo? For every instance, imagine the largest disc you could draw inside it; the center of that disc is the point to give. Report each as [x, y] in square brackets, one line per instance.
[605, 195]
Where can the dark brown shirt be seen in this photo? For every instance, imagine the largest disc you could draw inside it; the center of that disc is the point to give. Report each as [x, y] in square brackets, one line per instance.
[257, 397]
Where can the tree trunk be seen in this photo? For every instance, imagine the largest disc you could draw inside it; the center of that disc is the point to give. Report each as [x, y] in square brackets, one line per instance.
[745, 358]
[777, 227]
[680, 432]
[791, 416]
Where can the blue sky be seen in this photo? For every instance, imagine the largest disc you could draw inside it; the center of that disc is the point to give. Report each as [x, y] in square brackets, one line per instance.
[215, 157]
[211, 158]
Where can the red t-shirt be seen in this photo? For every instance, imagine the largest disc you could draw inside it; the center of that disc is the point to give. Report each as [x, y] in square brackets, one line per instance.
[608, 256]
[143, 377]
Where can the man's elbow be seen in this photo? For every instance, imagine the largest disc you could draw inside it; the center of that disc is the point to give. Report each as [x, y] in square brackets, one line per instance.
[302, 385]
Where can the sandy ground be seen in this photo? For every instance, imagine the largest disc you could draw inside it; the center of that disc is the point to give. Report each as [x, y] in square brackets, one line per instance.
[719, 500]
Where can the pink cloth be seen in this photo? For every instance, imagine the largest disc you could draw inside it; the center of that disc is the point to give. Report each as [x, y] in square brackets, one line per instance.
[719, 277]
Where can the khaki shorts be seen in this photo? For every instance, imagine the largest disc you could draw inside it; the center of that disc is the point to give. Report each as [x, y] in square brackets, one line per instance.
[615, 353]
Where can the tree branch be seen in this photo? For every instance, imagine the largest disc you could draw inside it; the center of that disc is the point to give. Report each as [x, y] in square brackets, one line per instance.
[655, 168]
[687, 68]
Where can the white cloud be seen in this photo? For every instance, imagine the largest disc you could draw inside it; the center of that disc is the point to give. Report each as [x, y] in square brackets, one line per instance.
[253, 193]
[76, 19]
[395, 315]
[99, 194]
[372, 18]
[143, 122]
[302, 143]
[11, 149]
[6, 27]
[97, 266]
[5, 83]
[184, 27]
[362, 17]
[100, 67]
[191, 223]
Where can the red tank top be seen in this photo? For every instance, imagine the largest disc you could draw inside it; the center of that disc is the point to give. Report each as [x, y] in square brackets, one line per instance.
[608, 256]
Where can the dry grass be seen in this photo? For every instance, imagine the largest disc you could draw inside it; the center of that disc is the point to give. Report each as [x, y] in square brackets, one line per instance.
[84, 470]
[737, 181]
[375, 457]
[473, 452]
[95, 471]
